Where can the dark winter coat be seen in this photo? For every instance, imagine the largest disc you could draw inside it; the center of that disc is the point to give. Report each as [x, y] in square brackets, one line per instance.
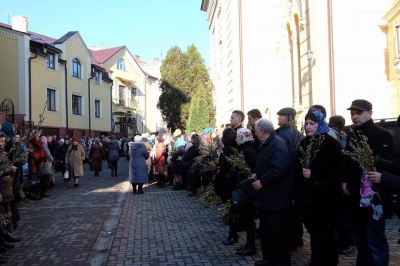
[272, 170]
[6, 180]
[381, 142]
[97, 155]
[138, 172]
[322, 191]
[225, 181]
[178, 167]
[113, 150]
[249, 154]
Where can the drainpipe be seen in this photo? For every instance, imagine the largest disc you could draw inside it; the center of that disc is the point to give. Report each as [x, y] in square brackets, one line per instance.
[332, 89]
[90, 117]
[64, 62]
[30, 84]
[111, 88]
[241, 57]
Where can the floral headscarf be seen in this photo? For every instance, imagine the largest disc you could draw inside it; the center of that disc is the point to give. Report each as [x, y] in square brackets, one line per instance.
[322, 126]
[243, 135]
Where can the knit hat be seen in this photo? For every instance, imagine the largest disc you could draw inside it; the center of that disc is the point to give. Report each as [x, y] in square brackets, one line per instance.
[43, 139]
[7, 129]
[138, 138]
[74, 139]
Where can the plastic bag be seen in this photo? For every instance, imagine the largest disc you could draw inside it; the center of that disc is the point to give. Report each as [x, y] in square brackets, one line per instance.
[66, 175]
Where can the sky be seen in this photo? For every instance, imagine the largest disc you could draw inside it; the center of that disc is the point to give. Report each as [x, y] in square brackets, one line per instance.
[148, 28]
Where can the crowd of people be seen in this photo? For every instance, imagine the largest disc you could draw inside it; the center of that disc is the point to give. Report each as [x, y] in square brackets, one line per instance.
[317, 177]
[310, 177]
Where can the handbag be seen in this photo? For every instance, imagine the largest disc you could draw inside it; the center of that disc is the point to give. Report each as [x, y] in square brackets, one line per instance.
[239, 200]
[66, 175]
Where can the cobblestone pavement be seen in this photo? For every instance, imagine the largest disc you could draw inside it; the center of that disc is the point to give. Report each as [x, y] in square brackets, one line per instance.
[102, 223]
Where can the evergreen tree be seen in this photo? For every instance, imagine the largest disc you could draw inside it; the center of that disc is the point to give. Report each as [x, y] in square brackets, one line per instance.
[182, 76]
[199, 116]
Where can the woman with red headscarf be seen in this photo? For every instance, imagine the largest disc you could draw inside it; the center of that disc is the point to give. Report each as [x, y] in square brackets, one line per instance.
[36, 159]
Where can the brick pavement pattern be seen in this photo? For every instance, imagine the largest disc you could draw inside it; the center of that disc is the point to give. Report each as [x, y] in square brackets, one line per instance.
[102, 223]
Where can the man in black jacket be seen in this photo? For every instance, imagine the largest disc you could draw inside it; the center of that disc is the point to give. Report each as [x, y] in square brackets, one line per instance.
[367, 221]
[274, 202]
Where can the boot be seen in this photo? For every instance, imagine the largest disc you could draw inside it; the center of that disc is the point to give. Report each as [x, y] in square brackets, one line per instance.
[140, 189]
[10, 239]
[247, 250]
[37, 191]
[115, 171]
[177, 186]
[3, 243]
[43, 189]
[232, 239]
[112, 171]
[134, 191]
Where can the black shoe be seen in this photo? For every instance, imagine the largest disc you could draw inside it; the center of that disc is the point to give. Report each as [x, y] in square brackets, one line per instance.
[192, 194]
[240, 248]
[11, 239]
[3, 259]
[44, 195]
[347, 250]
[134, 191]
[6, 245]
[76, 185]
[232, 239]
[263, 263]
[247, 251]
[140, 191]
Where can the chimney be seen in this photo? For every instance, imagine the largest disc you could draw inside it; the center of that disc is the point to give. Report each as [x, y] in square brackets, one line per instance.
[137, 59]
[20, 23]
[102, 46]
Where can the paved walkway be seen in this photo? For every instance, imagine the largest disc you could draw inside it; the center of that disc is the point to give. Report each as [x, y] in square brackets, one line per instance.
[102, 223]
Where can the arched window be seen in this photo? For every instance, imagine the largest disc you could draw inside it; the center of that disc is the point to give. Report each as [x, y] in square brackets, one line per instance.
[76, 68]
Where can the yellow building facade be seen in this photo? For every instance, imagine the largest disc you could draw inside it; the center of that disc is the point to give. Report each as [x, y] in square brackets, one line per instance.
[55, 77]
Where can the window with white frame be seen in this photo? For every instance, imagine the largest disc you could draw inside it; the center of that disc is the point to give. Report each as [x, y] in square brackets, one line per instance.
[121, 64]
[76, 104]
[50, 60]
[76, 68]
[51, 99]
[97, 108]
[97, 77]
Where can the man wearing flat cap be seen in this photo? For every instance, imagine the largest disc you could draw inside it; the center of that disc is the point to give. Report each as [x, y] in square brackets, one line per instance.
[292, 136]
[368, 212]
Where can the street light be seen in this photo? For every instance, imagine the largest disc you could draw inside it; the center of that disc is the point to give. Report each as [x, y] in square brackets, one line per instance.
[310, 58]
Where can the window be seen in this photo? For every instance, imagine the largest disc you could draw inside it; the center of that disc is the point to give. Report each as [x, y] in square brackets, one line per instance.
[121, 64]
[77, 105]
[97, 77]
[51, 100]
[121, 95]
[50, 60]
[76, 68]
[133, 93]
[97, 108]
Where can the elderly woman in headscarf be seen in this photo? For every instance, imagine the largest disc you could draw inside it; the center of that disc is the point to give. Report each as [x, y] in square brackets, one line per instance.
[46, 170]
[320, 166]
[159, 159]
[74, 159]
[96, 154]
[36, 159]
[178, 168]
[193, 173]
[245, 142]
[138, 172]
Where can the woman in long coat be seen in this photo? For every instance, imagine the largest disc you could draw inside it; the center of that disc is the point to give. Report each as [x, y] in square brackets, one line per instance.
[138, 172]
[113, 154]
[74, 160]
[318, 188]
[46, 170]
[159, 160]
[97, 155]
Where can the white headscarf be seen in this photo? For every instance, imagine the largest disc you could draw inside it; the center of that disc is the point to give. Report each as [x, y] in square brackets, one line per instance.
[243, 135]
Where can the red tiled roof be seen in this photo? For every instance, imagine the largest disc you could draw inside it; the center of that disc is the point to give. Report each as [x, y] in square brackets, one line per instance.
[101, 56]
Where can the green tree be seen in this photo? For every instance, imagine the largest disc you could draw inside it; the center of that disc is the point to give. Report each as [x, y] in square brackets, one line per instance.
[185, 73]
[199, 115]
